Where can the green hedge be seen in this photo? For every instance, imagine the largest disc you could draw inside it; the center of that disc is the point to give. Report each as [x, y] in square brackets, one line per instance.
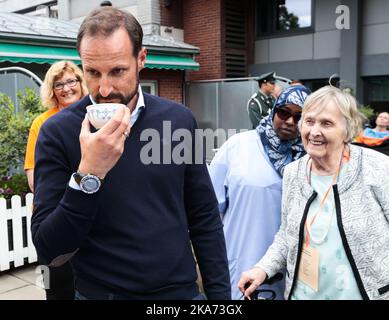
[14, 131]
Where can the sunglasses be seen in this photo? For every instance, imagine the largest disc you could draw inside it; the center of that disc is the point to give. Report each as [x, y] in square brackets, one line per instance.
[285, 114]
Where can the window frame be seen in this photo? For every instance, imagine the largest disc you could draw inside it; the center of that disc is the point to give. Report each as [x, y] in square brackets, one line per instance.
[272, 24]
[53, 13]
[314, 82]
[367, 89]
[153, 84]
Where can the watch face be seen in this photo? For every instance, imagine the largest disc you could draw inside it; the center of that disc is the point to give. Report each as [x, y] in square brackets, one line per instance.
[90, 184]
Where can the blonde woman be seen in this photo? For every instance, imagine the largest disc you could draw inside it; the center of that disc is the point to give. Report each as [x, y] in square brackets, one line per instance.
[63, 85]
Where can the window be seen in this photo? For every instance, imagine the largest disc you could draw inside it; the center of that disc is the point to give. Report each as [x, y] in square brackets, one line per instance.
[49, 9]
[376, 93]
[316, 84]
[283, 16]
[53, 11]
[149, 87]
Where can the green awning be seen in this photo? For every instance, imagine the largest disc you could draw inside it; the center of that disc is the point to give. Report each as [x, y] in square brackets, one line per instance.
[38, 54]
[170, 62]
[42, 54]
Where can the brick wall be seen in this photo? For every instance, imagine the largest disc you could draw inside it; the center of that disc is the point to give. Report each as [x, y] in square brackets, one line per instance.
[169, 82]
[202, 28]
[171, 15]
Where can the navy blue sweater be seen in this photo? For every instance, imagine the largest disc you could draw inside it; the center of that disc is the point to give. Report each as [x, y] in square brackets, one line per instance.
[133, 236]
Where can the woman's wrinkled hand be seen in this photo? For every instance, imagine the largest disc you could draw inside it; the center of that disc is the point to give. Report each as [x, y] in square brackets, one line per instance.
[250, 280]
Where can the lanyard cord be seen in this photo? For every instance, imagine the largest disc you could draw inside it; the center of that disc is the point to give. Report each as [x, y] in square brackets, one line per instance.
[309, 229]
[334, 179]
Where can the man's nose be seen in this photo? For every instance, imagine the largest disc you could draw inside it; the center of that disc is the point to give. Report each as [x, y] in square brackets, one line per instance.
[105, 87]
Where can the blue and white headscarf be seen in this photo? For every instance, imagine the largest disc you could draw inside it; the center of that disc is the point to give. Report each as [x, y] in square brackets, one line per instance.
[282, 152]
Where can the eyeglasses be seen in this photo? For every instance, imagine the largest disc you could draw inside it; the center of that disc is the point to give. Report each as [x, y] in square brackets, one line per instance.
[70, 83]
[285, 114]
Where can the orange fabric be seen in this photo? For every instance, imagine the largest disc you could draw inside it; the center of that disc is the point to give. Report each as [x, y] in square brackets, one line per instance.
[370, 141]
[33, 137]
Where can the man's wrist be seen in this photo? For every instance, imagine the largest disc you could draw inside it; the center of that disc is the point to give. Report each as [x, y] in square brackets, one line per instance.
[88, 183]
[84, 170]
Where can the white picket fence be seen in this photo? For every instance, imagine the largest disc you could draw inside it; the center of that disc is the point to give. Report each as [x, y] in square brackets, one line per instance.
[15, 215]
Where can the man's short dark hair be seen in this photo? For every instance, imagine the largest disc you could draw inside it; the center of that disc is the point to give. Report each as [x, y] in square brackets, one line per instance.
[106, 20]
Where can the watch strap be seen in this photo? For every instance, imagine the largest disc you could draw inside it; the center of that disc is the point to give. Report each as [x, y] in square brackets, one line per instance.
[78, 177]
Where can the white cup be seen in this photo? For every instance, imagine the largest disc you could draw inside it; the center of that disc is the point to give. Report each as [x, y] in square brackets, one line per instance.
[99, 114]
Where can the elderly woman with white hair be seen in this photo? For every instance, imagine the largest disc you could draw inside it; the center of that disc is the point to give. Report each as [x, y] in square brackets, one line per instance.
[334, 234]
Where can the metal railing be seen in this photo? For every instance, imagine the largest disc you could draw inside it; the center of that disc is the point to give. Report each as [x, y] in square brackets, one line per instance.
[30, 74]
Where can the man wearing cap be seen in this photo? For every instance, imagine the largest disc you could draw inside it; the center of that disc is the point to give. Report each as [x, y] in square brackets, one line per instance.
[261, 103]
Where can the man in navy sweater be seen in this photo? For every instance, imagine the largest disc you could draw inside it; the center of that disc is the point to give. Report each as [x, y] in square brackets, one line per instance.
[126, 226]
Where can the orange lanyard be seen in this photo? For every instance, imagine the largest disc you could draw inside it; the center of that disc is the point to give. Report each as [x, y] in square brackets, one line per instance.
[345, 156]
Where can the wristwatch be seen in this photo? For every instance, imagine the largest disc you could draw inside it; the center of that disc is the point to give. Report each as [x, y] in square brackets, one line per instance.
[89, 183]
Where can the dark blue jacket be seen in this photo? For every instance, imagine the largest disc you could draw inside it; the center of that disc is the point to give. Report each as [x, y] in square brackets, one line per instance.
[134, 235]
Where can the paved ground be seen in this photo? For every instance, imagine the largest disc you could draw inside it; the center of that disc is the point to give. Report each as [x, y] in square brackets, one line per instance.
[24, 283]
[21, 284]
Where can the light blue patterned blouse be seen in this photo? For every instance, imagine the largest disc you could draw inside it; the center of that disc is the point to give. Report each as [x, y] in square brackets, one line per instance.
[336, 279]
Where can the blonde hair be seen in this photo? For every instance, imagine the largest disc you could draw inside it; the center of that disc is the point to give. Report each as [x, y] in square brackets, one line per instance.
[346, 103]
[56, 71]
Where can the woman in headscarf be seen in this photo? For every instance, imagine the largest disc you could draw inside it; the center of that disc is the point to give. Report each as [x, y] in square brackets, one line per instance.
[247, 177]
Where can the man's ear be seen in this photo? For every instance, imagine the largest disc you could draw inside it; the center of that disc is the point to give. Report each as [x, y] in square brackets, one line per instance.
[142, 58]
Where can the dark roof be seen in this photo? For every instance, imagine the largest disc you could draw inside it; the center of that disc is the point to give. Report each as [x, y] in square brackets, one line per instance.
[24, 25]
[32, 28]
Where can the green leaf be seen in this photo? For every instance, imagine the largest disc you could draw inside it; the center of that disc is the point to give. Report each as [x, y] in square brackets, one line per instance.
[14, 131]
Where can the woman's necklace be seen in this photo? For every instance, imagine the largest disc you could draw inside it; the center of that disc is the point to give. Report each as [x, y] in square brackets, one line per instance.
[308, 225]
